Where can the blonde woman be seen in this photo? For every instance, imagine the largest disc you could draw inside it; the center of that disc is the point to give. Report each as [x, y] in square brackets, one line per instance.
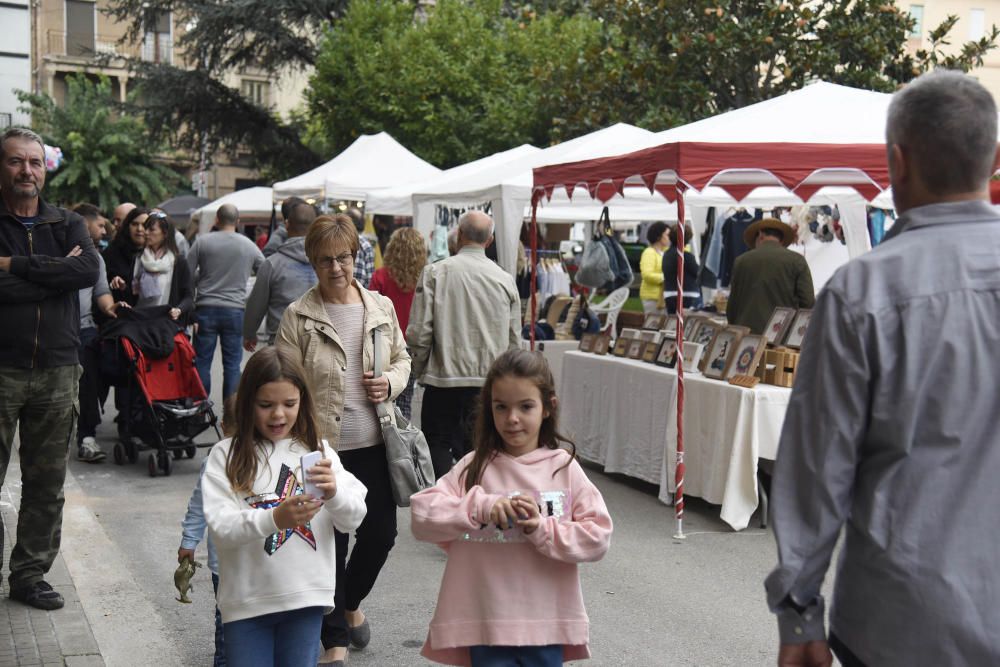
[405, 258]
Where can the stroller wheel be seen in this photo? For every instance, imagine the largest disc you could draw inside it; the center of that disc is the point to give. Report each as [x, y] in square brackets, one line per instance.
[191, 451]
[152, 465]
[119, 454]
[166, 463]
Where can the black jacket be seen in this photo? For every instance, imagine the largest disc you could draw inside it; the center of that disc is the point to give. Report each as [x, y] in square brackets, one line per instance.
[39, 296]
[119, 260]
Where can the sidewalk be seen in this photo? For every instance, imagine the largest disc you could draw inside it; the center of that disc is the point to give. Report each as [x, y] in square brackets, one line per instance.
[32, 637]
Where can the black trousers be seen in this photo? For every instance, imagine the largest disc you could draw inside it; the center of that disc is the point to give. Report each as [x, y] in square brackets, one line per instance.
[447, 419]
[373, 540]
[90, 385]
[844, 654]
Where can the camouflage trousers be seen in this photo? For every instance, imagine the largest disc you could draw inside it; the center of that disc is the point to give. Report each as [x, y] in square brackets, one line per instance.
[42, 404]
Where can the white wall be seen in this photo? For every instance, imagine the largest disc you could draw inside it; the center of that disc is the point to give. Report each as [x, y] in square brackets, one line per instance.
[15, 60]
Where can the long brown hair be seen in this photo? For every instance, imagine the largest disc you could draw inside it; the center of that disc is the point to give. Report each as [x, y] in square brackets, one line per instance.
[487, 442]
[250, 446]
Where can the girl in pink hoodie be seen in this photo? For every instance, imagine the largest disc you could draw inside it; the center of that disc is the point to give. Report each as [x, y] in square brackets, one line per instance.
[515, 516]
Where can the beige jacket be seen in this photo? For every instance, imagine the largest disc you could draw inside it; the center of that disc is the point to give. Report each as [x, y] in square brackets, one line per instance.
[307, 332]
[466, 312]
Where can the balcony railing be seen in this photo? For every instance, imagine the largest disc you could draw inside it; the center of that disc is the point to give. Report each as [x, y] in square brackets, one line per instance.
[155, 47]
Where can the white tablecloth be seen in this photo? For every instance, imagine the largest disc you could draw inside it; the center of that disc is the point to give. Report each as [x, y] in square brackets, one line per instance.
[553, 351]
[622, 414]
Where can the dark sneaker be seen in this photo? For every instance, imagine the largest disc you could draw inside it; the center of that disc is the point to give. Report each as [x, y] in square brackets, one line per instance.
[89, 451]
[39, 595]
[361, 635]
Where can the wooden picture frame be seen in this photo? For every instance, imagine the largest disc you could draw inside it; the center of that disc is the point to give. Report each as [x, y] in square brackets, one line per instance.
[602, 344]
[692, 357]
[797, 332]
[705, 333]
[650, 336]
[670, 326]
[635, 348]
[691, 325]
[666, 355]
[629, 332]
[621, 345]
[654, 321]
[777, 327]
[587, 342]
[747, 356]
[650, 350]
[720, 350]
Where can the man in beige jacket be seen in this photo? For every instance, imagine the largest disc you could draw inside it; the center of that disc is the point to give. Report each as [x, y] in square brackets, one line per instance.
[457, 329]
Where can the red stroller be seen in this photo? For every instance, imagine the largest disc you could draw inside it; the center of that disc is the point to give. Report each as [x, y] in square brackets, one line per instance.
[174, 408]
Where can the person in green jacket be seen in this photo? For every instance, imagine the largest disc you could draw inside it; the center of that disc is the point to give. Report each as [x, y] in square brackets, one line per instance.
[768, 276]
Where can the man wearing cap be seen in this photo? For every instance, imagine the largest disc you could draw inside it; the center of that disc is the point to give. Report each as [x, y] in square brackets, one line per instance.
[768, 276]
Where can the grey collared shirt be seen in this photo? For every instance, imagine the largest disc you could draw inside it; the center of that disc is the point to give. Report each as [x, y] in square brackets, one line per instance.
[894, 429]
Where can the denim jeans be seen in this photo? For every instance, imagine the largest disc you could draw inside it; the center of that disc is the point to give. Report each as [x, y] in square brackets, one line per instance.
[282, 639]
[516, 656]
[220, 642]
[215, 322]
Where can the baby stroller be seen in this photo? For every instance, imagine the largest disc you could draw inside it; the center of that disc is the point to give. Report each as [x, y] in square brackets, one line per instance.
[168, 408]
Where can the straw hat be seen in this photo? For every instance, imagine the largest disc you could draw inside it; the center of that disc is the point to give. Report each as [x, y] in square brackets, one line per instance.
[787, 233]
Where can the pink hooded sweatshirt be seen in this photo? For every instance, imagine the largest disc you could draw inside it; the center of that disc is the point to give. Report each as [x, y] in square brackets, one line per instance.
[505, 588]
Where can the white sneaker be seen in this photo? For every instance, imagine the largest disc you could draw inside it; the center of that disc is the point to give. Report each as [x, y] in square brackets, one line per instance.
[89, 451]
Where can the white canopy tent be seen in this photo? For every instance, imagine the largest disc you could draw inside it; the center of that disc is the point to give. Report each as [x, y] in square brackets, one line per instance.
[251, 203]
[507, 186]
[398, 200]
[371, 163]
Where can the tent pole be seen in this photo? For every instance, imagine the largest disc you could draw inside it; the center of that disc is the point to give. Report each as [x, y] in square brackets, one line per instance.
[679, 470]
[534, 267]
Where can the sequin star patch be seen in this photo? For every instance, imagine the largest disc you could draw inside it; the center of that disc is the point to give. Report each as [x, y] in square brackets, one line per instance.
[286, 487]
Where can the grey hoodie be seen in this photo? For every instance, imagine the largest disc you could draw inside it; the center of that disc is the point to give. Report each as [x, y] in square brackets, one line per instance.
[281, 279]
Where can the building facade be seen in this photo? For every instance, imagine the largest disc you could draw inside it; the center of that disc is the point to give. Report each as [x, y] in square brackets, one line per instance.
[15, 60]
[73, 36]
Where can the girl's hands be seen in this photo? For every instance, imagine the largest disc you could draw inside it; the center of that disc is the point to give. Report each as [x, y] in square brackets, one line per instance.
[376, 388]
[117, 282]
[517, 511]
[322, 476]
[184, 553]
[296, 511]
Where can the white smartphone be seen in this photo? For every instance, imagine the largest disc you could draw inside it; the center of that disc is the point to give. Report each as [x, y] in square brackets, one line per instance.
[308, 461]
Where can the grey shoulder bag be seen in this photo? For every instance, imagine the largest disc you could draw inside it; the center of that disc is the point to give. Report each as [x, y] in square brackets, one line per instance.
[410, 467]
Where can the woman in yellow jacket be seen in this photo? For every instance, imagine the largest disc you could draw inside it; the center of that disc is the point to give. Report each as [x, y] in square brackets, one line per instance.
[651, 268]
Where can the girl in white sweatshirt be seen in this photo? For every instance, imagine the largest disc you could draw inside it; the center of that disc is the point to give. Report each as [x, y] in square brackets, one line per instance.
[277, 563]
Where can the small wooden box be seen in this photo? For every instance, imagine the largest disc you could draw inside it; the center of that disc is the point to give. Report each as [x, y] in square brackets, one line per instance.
[784, 363]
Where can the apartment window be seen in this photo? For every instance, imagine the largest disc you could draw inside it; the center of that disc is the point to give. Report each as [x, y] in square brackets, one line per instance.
[977, 24]
[157, 45]
[80, 28]
[917, 14]
[258, 92]
[6, 120]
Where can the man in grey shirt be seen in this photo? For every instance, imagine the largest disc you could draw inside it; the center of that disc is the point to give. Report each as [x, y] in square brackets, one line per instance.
[221, 263]
[283, 278]
[892, 425]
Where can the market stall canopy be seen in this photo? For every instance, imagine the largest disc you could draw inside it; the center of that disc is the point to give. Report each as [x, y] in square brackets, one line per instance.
[252, 203]
[179, 209]
[507, 186]
[372, 162]
[398, 200]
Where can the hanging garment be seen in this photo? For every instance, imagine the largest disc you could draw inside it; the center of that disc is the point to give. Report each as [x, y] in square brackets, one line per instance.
[732, 243]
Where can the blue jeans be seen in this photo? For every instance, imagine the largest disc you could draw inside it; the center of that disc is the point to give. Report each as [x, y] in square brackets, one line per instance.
[215, 322]
[281, 639]
[220, 642]
[516, 656]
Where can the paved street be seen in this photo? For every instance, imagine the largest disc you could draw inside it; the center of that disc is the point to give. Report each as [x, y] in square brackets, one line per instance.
[652, 601]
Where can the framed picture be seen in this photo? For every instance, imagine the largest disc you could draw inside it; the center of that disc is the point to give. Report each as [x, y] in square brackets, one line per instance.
[692, 357]
[650, 350]
[629, 333]
[587, 342]
[691, 325]
[649, 335]
[670, 326]
[667, 354]
[797, 331]
[635, 349]
[621, 346]
[653, 321]
[602, 344]
[746, 358]
[720, 350]
[777, 326]
[704, 334]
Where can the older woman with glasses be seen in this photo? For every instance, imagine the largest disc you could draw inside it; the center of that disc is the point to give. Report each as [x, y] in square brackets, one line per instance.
[330, 329]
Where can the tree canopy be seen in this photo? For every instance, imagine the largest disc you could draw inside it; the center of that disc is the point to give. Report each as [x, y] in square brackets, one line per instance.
[108, 157]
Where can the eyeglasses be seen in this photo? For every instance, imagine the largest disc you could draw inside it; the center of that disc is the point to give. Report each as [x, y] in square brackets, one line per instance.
[345, 260]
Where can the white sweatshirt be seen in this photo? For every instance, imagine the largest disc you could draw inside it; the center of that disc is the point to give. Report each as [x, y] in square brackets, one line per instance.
[263, 570]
